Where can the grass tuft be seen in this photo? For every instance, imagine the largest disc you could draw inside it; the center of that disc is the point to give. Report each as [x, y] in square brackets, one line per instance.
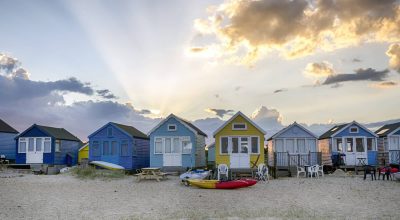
[93, 173]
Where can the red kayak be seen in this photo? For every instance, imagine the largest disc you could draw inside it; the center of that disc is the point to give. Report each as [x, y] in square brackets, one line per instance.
[215, 184]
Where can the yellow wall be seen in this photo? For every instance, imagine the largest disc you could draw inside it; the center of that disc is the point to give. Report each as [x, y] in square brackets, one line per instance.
[83, 154]
[227, 131]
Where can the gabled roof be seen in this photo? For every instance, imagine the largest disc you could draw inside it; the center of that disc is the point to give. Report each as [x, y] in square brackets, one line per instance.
[289, 127]
[233, 117]
[6, 128]
[387, 129]
[337, 129]
[57, 133]
[186, 123]
[83, 146]
[131, 130]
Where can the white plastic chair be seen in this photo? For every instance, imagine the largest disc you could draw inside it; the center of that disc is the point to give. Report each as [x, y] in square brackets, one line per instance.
[262, 172]
[300, 170]
[313, 170]
[320, 170]
[222, 170]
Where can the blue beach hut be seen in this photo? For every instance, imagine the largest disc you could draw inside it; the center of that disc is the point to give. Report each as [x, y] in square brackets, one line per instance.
[176, 144]
[47, 145]
[120, 144]
[7, 142]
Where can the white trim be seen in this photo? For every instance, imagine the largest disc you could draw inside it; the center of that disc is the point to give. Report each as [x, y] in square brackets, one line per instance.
[166, 119]
[352, 123]
[239, 129]
[176, 127]
[354, 132]
[181, 139]
[249, 148]
[83, 146]
[235, 116]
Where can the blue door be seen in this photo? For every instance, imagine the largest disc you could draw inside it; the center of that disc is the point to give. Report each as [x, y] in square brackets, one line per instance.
[111, 151]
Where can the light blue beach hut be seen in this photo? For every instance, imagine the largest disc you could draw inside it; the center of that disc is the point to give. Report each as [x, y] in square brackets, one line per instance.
[176, 144]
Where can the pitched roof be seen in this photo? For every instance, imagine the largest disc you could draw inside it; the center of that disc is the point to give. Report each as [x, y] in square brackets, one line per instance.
[58, 133]
[6, 128]
[183, 121]
[245, 117]
[131, 130]
[290, 126]
[387, 129]
[332, 131]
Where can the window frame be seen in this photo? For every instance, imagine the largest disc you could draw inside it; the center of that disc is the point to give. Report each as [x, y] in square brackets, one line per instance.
[161, 140]
[46, 140]
[227, 148]
[169, 129]
[186, 140]
[354, 132]
[251, 144]
[239, 123]
[97, 153]
[24, 140]
[57, 148]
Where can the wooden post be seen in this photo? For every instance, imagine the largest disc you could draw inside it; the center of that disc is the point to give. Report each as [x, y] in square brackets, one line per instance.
[275, 157]
[309, 158]
[290, 173]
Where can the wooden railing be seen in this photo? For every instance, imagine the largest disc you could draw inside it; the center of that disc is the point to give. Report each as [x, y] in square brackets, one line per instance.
[394, 156]
[286, 159]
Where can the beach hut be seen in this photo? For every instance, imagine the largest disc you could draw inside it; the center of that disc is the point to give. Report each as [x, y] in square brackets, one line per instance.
[83, 153]
[119, 144]
[7, 142]
[47, 145]
[239, 143]
[176, 144]
[357, 143]
[294, 145]
[211, 155]
[389, 144]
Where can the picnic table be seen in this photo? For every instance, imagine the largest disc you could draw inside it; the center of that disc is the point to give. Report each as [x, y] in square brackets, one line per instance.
[150, 173]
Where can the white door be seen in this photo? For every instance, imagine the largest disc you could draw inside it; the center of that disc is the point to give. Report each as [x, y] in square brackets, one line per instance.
[240, 157]
[34, 153]
[350, 152]
[360, 150]
[172, 152]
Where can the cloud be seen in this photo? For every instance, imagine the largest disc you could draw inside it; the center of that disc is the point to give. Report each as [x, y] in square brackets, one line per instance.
[217, 96]
[11, 67]
[356, 60]
[394, 56]
[197, 49]
[237, 88]
[385, 85]
[319, 69]
[219, 112]
[359, 75]
[248, 30]
[105, 93]
[268, 119]
[144, 112]
[280, 90]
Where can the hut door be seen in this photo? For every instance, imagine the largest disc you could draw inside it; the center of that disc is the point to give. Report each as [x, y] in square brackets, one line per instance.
[350, 152]
[172, 152]
[240, 157]
[35, 150]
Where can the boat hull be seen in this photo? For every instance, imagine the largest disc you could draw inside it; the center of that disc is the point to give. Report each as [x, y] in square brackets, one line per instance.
[215, 184]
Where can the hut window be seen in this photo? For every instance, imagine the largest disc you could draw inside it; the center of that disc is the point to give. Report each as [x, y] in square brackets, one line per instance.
[109, 132]
[254, 145]
[177, 146]
[158, 146]
[31, 146]
[349, 144]
[22, 145]
[339, 145]
[354, 130]
[224, 145]
[96, 148]
[58, 146]
[360, 145]
[171, 127]
[244, 145]
[114, 148]
[370, 144]
[106, 148]
[239, 126]
[47, 145]
[124, 148]
[235, 145]
[186, 145]
[167, 145]
[134, 148]
[39, 142]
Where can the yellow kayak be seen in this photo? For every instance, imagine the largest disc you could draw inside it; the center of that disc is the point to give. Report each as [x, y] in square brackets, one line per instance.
[207, 184]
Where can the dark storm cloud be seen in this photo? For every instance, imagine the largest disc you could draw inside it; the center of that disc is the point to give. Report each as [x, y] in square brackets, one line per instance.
[359, 75]
[105, 93]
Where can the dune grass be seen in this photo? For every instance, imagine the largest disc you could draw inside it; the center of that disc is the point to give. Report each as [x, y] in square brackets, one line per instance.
[93, 173]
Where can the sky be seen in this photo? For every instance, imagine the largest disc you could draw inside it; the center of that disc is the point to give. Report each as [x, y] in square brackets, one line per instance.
[80, 64]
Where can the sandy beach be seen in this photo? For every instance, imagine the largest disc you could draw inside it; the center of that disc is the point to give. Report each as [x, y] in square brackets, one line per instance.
[66, 197]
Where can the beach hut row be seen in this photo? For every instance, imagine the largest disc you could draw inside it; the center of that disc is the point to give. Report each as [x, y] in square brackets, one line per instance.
[175, 144]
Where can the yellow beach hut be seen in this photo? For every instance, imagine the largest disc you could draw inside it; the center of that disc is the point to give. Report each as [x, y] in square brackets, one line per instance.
[239, 143]
[83, 153]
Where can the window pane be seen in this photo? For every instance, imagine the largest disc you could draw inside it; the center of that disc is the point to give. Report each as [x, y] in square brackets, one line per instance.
[224, 145]
[370, 144]
[177, 146]
[96, 148]
[124, 148]
[114, 148]
[167, 145]
[106, 148]
[239, 126]
[39, 142]
[359, 145]
[339, 145]
[254, 145]
[31, 145]
[22, 147]
[158, 146]
[47, 146]
[58, 146]
[235, 145]
[244, 145]
[349, 143]
[186, 147]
